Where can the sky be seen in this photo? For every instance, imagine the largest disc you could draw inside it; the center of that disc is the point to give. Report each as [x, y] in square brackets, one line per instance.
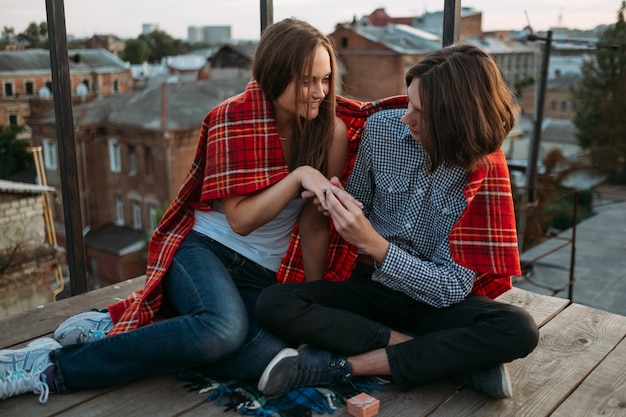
[124, 18]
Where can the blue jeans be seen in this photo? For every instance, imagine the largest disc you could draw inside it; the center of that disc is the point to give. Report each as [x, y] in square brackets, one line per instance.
[214, 289]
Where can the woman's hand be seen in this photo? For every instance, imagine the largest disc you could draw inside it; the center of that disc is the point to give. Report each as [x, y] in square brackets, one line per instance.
[314, 184]
[324, 208]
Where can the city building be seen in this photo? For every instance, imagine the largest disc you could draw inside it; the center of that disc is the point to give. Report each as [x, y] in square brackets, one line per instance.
[26, 74]
[211, 35]
[133, 152]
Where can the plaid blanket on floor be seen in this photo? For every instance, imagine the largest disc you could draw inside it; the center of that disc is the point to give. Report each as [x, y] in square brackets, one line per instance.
[243, 397]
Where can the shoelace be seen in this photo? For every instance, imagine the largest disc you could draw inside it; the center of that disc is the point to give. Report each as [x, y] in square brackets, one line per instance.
[21, 382]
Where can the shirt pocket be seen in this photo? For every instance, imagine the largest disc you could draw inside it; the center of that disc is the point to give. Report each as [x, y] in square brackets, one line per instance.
[393, 194]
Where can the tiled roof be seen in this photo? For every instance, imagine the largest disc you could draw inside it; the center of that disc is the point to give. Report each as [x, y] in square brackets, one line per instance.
[188, 103]
[22, 187]
[37, 61]
[115, 239]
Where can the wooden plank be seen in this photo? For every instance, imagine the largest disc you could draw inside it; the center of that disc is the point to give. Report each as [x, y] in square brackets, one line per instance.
[160, 396]
[542, 307]
[603, 393]
[27, 404]
[417, 402]
[42, 321]
[571, 345]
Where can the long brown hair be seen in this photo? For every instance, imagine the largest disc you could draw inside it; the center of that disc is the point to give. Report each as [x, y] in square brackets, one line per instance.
[285, 52]
[467, 108]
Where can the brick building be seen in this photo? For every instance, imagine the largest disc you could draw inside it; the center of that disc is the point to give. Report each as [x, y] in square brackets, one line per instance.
[26, 74]
[133, 152]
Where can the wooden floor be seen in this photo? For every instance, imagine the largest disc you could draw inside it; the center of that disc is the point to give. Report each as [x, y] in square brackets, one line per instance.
[578, 369]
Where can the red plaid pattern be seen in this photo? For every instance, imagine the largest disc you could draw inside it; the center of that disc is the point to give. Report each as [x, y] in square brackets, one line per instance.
[239, 152]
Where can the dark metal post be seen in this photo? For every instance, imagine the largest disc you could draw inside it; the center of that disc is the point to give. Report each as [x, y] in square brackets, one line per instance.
[529, 197]
[62, 91]
[451, 21]
[531, 173]
[267, 13]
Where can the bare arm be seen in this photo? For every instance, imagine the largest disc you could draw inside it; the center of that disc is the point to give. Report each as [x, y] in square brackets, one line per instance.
[248, 212]
[314, 226]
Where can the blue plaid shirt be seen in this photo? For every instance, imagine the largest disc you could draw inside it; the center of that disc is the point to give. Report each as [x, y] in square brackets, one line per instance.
[413, 209]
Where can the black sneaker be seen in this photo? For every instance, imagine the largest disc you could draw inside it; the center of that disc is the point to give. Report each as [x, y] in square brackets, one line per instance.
[493, 381]
[306, 367]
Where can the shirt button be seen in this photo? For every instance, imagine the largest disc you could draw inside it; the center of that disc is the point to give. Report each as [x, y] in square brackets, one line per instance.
[444, 210]
[390, 189]
[408, 225]
[419, 191]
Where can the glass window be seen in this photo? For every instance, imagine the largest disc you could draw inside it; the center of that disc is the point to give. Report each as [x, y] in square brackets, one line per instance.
[119, 211]
[136, 215]
[132, 160]
[49, 154]
[115, 159]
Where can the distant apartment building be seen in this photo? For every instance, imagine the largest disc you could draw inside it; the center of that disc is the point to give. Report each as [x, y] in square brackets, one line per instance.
[382, 48]
[374, 60]
[148, 28]
[26, 74]
[111, 43]
[516, 60]
[212, 35]
[470, 23]
[558, 102]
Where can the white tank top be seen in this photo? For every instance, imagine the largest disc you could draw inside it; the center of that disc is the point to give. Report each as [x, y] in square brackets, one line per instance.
[266, 245]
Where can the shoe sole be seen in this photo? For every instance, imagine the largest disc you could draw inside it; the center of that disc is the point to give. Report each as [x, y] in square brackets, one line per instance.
[507, 390]
[41, 343]
[285, 353]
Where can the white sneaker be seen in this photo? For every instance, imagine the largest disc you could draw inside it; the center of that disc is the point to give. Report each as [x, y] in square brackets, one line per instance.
[83, 327]
[21, 370]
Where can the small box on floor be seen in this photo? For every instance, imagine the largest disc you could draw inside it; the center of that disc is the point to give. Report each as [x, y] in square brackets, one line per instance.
[363, 405]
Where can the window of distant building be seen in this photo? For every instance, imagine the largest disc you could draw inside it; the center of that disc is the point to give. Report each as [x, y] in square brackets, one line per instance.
[116, 86]
[119, 210]
[132, 160]
[564, 105]
[30, 88]
[149, 157]
[344, 42]
[152, 217]
[553, 105]
[49, 85]
[12, 119]
[49, 154]
[8, 89]
[86, 83]
[115, 159]
[136, 215]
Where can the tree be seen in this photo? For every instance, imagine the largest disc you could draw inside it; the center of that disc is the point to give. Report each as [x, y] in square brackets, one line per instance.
[14, 154]
[136, 51]
[600, 101]
[36, 35]
[8, 33]
[162, 45]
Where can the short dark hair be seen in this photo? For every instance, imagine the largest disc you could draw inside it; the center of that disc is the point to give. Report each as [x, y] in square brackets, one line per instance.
[467, 108]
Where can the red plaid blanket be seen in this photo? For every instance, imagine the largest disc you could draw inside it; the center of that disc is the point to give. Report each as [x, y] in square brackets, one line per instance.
[239, 152]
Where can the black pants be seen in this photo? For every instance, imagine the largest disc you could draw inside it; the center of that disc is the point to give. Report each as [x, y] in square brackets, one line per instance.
[356, 316]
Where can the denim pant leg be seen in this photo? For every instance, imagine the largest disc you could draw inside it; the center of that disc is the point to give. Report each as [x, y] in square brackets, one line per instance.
[261, 345]
[212, 324]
